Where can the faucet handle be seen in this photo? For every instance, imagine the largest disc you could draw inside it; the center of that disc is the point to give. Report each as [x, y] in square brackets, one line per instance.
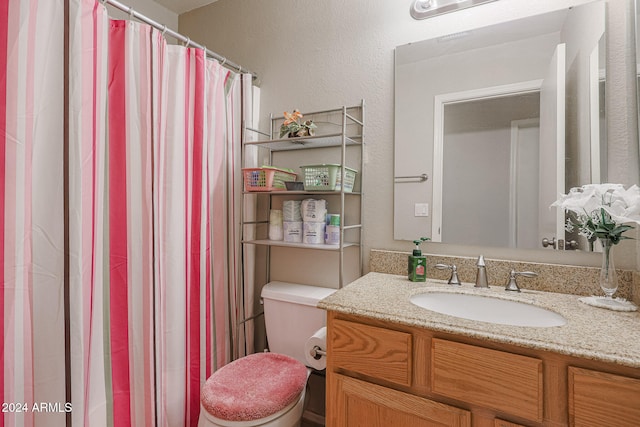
[453, 280]
[512, 285]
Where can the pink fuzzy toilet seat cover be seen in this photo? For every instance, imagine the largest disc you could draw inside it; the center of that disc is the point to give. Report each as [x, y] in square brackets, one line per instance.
[254, 387]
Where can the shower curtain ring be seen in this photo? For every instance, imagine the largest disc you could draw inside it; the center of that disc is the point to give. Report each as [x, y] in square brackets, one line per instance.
[131, 12]
[224, 60]
[187, 42]
[164, 29]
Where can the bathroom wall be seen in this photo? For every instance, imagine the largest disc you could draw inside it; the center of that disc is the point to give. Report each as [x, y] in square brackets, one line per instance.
[314, 55]
[150, 9]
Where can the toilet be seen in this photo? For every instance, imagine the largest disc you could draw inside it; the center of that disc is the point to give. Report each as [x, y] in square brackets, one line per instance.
[268, 389]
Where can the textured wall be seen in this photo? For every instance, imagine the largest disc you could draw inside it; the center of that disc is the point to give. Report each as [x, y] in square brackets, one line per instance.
[150, 9]
[620, 87]
[319, 54]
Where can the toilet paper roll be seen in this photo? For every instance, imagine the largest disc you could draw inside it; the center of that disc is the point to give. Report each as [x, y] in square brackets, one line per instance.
[313, 210]
[319, 339]
[291, 210]
[293, 231]
[313, 232]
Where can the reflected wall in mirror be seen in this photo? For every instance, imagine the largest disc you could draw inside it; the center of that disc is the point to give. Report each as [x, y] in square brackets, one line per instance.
[477, 136]
[502, 119]
[637, 28]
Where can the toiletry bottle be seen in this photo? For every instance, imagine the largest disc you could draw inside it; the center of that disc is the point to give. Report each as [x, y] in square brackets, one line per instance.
[418, 263]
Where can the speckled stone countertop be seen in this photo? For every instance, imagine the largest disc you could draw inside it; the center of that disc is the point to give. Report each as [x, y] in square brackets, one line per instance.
[590, 332]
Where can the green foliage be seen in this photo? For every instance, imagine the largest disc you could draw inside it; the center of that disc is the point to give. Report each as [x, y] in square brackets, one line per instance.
[598, 224]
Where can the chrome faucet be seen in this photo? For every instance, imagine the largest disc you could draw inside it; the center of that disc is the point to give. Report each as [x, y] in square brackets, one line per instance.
[453, 280]
[481, 274]
[511, 283]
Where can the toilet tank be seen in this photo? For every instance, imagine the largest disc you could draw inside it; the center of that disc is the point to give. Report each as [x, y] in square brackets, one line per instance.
[291, 316]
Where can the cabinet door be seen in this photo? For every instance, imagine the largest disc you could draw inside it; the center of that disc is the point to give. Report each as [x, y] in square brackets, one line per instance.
[599, 399]
[494, 379]
[355, 403]
[502, 423]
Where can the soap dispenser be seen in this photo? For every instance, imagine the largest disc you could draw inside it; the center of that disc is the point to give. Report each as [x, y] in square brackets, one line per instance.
[417, 266]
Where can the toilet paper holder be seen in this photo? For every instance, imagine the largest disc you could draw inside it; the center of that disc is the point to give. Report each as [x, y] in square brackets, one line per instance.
[315, 350]
[317, 353]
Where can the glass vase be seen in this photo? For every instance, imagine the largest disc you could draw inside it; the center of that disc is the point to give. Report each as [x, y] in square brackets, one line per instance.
[608, 276]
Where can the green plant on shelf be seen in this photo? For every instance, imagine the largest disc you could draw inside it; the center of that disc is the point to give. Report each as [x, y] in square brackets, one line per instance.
[294, 127]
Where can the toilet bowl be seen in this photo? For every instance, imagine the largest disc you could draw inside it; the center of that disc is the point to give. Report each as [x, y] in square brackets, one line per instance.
[268, 389]
[288, 417]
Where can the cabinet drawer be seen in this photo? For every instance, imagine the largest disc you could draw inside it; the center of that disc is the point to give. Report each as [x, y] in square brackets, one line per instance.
[599, 399]
[376, 352]
[491, 378]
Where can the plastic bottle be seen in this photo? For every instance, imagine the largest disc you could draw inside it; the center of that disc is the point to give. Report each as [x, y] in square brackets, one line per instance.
[417, 266]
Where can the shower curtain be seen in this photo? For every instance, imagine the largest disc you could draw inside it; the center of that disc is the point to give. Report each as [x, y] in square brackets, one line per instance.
[118, 249]
[31, 211]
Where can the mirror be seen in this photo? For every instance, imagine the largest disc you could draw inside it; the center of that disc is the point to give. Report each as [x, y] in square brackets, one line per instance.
[637, 38]
[501, 119]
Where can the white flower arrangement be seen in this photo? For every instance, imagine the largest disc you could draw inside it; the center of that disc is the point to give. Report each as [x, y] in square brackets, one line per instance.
[601, 210]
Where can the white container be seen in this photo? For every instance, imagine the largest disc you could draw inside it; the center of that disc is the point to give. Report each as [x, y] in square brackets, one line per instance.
[276, 232]
[333, 219]
[332, 235]
[313, 232]
[292, 231]
[275, 225]
[275, 217]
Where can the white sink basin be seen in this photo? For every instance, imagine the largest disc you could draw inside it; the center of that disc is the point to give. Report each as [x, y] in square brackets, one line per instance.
[488, 309]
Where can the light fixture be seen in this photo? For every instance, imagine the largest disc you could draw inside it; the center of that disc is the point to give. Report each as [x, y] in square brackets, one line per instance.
[421, 9]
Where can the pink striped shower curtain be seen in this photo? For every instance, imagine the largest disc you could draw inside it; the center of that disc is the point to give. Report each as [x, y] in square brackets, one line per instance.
[125, 226]
[32, 212]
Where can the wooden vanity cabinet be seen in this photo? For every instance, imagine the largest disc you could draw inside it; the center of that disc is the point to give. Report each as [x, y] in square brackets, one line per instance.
[502, 423]
[488, 378]
[384, 374]
[373, 351]
[598, 399]
[359, 403]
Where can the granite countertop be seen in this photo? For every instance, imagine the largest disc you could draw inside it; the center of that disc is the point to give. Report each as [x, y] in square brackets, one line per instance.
[590, 332]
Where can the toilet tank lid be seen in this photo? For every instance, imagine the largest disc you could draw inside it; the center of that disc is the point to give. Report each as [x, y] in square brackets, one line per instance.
[295, 293]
